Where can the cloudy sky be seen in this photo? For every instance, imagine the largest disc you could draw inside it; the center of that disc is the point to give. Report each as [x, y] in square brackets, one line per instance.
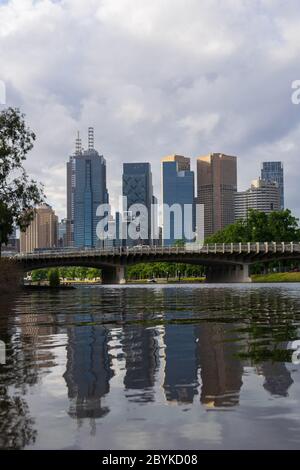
[155, 77]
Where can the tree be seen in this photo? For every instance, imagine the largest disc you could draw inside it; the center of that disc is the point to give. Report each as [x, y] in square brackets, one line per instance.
[232, 233]
[39, 275]
[18, 193]
[284, 226]
[278, 226]
[53, 278]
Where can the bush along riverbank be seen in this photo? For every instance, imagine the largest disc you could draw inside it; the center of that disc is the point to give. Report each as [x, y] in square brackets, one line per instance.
[10, 276]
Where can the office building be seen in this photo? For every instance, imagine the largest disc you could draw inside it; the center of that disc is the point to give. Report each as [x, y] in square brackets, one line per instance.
[177, 189]
[42, 231]
[86, 190]
[273, 171]
[262, 195]
[216, 188]
[114, 231]
[138, 189]
[62, 233]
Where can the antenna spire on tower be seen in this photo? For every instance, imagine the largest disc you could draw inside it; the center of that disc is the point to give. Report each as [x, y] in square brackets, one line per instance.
[78, 145]
[91, 138]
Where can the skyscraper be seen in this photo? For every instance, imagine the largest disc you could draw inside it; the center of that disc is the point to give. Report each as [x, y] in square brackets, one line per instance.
[263, 196]
[62, 233]
[138, 189]
[177, 188]
[216, 188]
[42, 231]
[86, 190]
[273, 171]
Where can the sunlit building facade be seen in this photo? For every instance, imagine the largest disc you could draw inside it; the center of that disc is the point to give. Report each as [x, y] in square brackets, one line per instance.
[42, 233]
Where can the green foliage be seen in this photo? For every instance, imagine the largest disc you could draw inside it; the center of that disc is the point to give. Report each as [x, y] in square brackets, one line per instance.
[280, 226]
[180, 243]
[165, 270]
[276, 277]
[70, 273]
[284, 226]
[39, 275]
[18, 193]
[53, 278]
[6, 223]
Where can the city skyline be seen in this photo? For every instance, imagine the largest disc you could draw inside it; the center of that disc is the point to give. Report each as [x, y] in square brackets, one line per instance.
[214, 187]
[139, 173]
[222, 93]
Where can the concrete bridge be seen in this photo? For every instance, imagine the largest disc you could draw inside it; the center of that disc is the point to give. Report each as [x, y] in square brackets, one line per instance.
[225, 262]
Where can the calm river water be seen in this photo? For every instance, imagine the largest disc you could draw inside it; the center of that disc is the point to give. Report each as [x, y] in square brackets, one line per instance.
[153, 367]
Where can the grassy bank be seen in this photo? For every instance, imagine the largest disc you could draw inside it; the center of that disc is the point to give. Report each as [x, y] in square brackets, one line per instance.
[189, 280]
[10, 276]
[276, 277]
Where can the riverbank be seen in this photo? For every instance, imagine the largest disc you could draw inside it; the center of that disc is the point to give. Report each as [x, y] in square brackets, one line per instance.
[10, 276]
[256, 278]
[34, 287]
[184, 280]
[276, 277]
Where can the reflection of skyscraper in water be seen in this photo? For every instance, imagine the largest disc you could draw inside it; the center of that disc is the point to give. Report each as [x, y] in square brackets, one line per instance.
[221, 371]
[181, 365]
[277, 378]
[88, 371]
[142, 360]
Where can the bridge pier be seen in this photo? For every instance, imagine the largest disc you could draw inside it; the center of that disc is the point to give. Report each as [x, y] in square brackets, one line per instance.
[228, 273]
[113, 275]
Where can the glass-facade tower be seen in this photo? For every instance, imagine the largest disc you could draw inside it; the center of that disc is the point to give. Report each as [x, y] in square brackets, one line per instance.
[273, 172]
[138, 189]
[86, 190]
[177, 189]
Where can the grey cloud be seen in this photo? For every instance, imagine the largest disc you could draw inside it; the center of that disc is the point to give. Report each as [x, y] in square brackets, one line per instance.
[155, 78]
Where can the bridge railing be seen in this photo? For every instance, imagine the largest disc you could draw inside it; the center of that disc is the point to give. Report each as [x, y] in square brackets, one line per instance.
[216, 248]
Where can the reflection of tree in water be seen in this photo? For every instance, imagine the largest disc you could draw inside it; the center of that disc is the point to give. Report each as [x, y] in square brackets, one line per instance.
[16, 424]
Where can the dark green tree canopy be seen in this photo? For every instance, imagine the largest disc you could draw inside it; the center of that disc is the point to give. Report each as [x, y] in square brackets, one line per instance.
[18, 193]
[278, 226]
[53, 278]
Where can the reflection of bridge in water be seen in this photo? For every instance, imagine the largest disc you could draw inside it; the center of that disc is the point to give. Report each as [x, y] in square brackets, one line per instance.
[225, 262]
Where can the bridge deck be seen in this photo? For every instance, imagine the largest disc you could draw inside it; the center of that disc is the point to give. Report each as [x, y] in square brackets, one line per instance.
[211, 249]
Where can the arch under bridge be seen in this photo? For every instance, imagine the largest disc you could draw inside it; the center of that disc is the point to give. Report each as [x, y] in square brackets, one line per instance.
[225, 262]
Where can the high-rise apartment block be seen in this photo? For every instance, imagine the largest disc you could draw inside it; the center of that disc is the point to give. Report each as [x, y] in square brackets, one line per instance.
[273, 171]
[177, 189]
[216, 189]
[263, 196]
[86, 190]
[42, 231]
[138, 189]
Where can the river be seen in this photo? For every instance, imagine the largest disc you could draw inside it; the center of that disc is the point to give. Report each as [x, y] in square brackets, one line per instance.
[151, 367]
